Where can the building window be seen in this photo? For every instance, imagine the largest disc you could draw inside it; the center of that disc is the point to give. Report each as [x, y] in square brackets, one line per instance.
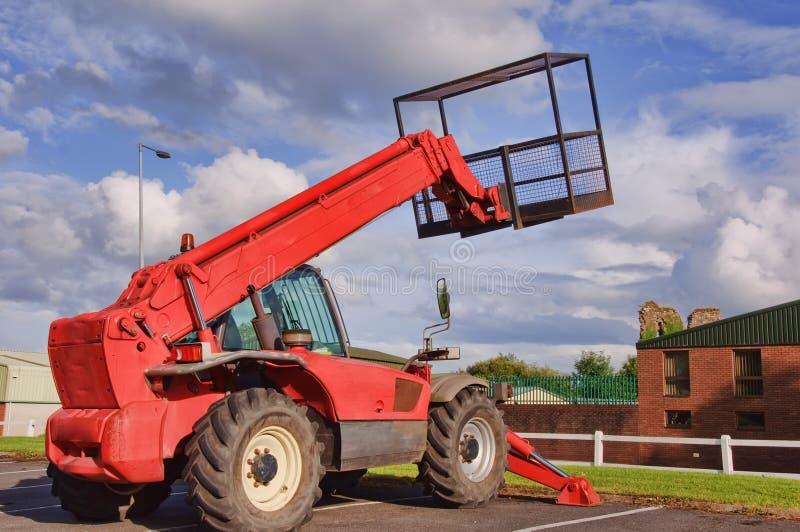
[750, 421]
[747, 371]
[678, 419]
[676, 373]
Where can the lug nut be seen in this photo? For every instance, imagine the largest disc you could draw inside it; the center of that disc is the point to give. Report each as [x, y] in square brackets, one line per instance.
[266, 450]
[256, 484]
[257, 450]
[249, 461]
[249, 475]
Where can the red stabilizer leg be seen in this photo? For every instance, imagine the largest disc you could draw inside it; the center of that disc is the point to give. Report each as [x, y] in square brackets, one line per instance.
[524, 461]
[578, 492]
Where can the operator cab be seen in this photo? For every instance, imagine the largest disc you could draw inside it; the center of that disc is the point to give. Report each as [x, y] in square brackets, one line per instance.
[300, 300]
[300, 308]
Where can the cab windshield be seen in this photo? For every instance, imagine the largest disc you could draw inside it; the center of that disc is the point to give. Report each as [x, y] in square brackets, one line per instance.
[296, 301]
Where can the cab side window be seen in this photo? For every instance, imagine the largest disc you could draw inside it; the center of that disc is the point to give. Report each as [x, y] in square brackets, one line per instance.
[239, 332]
[296, 301]
[300, 295]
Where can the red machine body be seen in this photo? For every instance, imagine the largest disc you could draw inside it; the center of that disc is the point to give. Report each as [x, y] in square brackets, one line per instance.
[118, 424]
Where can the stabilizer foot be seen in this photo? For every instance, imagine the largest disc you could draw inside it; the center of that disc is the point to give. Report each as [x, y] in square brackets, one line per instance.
[578, 492]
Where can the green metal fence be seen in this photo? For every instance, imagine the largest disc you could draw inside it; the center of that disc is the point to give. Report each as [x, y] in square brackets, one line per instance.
[574, 389]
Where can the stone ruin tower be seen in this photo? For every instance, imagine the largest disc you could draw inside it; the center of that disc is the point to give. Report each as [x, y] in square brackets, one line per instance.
[701, 316]
[655, 320]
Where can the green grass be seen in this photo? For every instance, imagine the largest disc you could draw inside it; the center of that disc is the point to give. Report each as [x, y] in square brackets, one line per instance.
[22, 447]
[744, 490]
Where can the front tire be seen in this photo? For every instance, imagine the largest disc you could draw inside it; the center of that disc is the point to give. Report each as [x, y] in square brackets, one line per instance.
[466, 457]
[254, 463]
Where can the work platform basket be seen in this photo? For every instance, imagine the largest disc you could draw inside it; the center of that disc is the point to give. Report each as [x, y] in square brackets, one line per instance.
[542, 179]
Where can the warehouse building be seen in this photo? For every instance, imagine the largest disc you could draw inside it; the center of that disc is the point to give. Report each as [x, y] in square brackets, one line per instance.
[27, 392]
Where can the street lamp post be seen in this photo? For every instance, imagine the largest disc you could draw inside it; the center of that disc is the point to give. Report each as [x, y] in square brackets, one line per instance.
[161, 155]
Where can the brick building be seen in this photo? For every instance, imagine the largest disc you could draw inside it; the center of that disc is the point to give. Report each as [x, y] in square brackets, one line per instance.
[738, 376]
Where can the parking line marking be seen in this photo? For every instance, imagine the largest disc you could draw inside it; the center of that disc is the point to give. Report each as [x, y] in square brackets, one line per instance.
[52, 506]
[23, 471]
[367, 503]
[333, 507]
[26, 487]
[29, 509]
[589, 519]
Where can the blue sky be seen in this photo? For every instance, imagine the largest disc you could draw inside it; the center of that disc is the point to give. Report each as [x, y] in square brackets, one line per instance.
[257, 100]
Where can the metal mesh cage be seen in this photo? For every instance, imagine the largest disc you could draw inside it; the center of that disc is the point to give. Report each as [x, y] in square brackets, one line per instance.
[543, 179]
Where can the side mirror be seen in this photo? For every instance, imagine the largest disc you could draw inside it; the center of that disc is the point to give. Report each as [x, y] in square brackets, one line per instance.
[443, 298]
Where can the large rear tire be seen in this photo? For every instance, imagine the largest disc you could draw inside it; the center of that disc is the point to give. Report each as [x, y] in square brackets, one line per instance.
[96, 501]
[254, 463]
[466, 457]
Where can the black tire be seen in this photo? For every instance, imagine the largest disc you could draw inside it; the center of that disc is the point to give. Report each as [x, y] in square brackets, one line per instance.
[236, 429]
[96, 501]
[335, 481]
[466, 457]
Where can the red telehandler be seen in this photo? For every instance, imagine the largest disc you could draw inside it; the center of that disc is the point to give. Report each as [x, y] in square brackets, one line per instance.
[226, 364]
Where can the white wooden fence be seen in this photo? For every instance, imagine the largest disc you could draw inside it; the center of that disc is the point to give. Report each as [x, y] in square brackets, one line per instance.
[725, 443]
[31, 425]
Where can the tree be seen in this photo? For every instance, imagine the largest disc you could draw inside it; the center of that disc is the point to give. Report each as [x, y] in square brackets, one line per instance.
[508, 365]
[594, 363]
[630, 367]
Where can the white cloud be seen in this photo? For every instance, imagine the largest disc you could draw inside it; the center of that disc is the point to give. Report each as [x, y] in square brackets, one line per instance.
[656, 173]
[253, 101]
[12, 143]
[251, 70]
[234, 188]
[93, 69]
[40, 119]
[775, 95]
[390, 38]
[741, 41]
[128, 115]
[116, 198]
[6, 94]
[204, 71]
[161, 133]
[25, 326]
[757, 248]
[70, 248]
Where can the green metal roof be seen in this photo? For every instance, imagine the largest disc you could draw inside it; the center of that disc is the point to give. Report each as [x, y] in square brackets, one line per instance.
[778, 325]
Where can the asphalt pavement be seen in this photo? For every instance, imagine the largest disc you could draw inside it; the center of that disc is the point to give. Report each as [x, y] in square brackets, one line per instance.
[26, 504]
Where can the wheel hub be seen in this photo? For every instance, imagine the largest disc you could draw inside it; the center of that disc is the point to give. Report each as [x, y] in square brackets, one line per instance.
[271, 468]
[264, 468]
[469, 448]
[476, 449]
